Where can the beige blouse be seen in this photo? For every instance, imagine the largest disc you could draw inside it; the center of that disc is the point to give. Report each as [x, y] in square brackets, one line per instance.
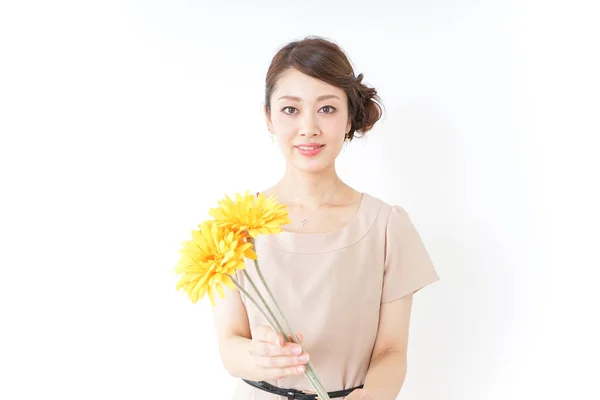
[330, 287]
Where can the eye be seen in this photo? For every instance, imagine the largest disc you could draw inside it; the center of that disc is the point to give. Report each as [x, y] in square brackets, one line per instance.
[288, 107]
[332, 109]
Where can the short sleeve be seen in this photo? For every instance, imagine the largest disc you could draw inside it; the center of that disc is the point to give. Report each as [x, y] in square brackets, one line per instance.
[408, 267]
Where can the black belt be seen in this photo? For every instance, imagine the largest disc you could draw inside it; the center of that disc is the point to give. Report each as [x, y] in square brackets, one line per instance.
[293, 394]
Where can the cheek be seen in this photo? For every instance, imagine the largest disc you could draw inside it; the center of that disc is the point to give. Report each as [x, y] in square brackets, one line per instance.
[283, 126]
[334, 126]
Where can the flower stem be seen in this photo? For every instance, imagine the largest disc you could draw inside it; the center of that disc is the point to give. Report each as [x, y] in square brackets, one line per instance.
[310, 371]
[276, 326]
[249, 296]
[280, 329]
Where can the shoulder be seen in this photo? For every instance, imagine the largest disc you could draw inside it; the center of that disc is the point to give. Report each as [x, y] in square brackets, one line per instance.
[392, 220]
[389, 212]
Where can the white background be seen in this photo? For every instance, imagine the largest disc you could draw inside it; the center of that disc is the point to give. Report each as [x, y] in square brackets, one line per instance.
[122, 122]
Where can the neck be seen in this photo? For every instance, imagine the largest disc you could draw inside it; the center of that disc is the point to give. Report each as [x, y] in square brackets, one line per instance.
[309, 190]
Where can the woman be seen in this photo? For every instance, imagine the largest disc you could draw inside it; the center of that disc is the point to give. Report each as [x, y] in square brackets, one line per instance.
[345, 269]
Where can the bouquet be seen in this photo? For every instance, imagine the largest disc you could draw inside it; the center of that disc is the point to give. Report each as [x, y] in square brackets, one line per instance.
[218, 249]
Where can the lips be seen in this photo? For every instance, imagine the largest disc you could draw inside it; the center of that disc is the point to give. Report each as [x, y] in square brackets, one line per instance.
[309, 147]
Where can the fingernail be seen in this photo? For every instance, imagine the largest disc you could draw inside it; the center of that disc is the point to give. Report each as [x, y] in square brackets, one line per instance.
[296, 350]
[300, 369]
[304, 358]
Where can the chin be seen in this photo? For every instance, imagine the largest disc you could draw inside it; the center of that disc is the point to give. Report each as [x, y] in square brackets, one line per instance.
[312, 166]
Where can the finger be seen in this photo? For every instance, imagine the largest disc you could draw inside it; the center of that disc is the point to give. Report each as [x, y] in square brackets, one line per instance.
[298, 335]
[282, 361]
[275, 338]
[278, 373]
[264, 349]
[291, 348]
[259, 334]
[267, 334]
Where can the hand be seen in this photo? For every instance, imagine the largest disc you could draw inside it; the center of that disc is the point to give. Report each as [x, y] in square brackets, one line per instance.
[274, 357]
[359, 394]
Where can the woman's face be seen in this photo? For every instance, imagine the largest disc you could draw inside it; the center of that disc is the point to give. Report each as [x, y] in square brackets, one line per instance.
[309, 119]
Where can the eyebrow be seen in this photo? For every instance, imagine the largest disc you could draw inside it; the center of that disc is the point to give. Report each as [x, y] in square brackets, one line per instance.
[320, 98]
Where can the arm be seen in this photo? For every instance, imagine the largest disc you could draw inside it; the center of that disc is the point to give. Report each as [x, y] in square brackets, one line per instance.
[387, 370]
[264, 356]
[233, 335]
[408, 268]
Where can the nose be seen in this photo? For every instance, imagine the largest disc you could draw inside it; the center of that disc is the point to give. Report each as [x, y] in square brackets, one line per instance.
[308, 125]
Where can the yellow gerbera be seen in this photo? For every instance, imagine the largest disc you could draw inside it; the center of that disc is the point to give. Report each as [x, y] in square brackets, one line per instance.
[208, 260]
[254, 214]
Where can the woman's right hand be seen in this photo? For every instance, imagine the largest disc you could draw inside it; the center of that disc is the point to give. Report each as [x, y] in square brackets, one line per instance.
[274, 357]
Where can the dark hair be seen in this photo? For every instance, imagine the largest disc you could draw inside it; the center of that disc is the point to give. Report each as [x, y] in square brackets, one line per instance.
[324, 60]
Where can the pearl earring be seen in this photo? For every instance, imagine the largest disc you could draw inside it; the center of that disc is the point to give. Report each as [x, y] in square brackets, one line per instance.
[272, 138]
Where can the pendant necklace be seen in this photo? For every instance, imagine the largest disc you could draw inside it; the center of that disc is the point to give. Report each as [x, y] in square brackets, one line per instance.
[305, 220]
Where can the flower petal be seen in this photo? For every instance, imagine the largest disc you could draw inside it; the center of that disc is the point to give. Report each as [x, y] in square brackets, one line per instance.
[227, 281]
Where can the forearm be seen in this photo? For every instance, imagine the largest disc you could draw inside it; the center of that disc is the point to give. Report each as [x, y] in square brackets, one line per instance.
[236, 357]
[386, 375]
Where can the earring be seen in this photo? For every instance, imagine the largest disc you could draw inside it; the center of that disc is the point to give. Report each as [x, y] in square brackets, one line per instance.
[347, 137]
[272, 138]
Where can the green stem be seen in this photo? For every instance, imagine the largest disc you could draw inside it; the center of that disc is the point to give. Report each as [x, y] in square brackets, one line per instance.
[276, 326]
[262, 299]
[236, 283]
[310, 371]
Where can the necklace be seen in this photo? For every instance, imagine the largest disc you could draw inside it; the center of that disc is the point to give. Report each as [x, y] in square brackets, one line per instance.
[305, 220]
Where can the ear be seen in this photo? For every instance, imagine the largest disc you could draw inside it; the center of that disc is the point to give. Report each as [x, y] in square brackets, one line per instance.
[267, 119]
[348, 126]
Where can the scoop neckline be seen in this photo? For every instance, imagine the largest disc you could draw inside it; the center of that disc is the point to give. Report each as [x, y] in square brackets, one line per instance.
[335, 231]
[323, 242]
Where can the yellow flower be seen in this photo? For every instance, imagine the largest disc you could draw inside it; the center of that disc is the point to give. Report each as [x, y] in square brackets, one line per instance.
[208, 260]
[254, 214]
